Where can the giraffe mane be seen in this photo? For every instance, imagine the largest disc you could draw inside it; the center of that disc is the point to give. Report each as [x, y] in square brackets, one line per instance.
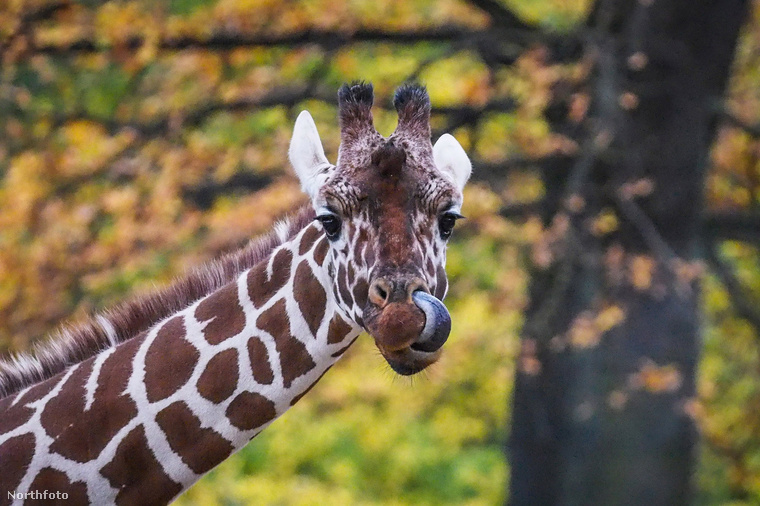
[71, 345]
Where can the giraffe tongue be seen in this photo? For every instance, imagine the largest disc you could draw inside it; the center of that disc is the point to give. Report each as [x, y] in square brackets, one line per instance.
[437, 322]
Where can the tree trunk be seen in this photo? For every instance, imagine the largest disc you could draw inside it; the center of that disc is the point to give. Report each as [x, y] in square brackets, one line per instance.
[605, 384]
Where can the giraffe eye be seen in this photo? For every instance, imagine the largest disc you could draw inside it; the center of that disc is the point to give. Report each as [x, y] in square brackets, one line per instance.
[446, 223]
[331, 224]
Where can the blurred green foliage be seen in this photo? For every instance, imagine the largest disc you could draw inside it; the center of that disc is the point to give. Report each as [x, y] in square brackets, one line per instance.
[121, 166]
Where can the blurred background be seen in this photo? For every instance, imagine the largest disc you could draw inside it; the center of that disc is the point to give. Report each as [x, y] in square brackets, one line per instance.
[141, 138]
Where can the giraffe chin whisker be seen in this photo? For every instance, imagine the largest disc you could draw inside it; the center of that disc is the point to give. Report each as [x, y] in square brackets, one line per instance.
[410, 361]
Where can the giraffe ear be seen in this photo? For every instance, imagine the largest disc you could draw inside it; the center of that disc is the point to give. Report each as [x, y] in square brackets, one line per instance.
[450, 158]
[307, 156]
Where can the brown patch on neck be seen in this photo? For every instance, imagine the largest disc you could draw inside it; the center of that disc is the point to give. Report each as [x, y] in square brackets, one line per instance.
[343, 291]
[259, 358]
[338, 330]
[54, 481]
[136, 473]
[308, 239]
[13, 416]
[169, 347]
[80, 434]
[225, 313]
[220, 377]
[310, 296]
[295, 360]
[261, 286]
[15, 456]
[250, 410]
[320, 252]
[201, 449]
[64, 410]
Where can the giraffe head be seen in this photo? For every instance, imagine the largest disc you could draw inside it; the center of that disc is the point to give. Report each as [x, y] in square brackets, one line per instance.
[388, 207]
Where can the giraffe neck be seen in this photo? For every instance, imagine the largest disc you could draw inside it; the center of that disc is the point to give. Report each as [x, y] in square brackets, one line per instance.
[141, 422]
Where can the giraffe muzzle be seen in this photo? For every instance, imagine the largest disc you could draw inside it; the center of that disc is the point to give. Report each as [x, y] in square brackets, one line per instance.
[410, 335]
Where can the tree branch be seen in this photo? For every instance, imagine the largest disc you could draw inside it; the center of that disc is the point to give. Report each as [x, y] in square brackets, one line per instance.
[465, 111]
[646, 228]
[501, 15]
[744, 307]
[520, 211]
[460, 116]
[278, 96]
[733, 226]
[285, 96]
[26, 20]
[227, 40]
[564, 47]
[205, 194]
[494, 173]
[498, 45]
[45, 12]
[751, 129]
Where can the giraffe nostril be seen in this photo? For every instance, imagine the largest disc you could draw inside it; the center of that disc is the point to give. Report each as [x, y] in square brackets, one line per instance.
[379, 292]
[415, 285]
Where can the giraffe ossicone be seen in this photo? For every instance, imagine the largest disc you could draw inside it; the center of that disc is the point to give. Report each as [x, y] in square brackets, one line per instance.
[135, 405]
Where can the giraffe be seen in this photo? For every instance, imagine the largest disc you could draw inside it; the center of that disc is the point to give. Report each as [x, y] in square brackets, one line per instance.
[137, 404]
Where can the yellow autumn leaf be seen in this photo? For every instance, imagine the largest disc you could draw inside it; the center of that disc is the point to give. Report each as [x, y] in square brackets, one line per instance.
[641, 270]
[583, 332]
[609, 317]
[659, 379]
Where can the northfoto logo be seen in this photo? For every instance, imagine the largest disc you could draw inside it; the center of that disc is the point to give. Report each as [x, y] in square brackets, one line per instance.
[38, 495]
